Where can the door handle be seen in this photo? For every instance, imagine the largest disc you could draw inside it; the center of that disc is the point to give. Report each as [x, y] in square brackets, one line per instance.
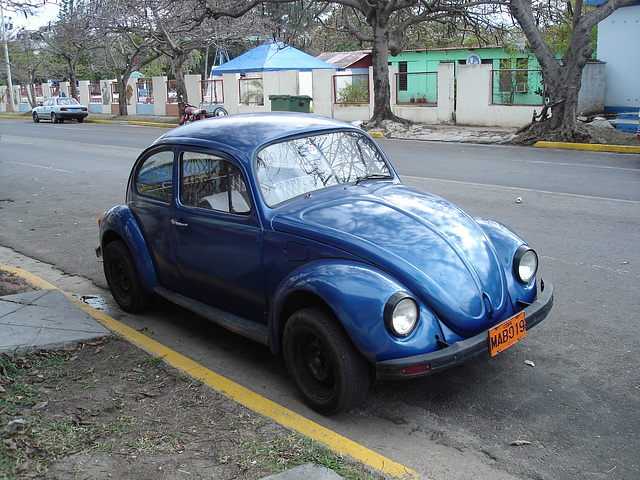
[178, 223]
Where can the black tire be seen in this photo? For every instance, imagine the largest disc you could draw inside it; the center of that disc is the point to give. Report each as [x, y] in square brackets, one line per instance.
[220, 112]
[54, 117]
[81, 119]
[35, 117]
[328, 371]
[122, 278]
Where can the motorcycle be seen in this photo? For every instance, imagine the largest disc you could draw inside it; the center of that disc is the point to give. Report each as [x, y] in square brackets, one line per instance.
[192, 113]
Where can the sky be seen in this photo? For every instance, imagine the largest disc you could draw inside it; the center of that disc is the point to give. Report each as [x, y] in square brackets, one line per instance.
[45, 14]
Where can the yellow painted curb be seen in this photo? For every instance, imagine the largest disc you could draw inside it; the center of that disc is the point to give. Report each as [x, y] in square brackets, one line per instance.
[153, 124]
[377, 134]
[589, 146]
[230, 389]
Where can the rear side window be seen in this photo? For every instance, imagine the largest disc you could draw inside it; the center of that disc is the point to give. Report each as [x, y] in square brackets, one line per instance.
[210, 182]
[155, 176]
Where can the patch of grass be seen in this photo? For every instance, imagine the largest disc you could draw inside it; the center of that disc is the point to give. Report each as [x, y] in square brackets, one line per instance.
[114, 406]
[197, 386]
[151, 361]
[286, 452]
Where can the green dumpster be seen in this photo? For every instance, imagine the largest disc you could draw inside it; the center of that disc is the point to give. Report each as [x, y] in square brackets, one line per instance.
[290, 103]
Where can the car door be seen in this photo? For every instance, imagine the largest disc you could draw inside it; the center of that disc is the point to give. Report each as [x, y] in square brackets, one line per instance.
[217, 236]
[47, 106]
[150, 200]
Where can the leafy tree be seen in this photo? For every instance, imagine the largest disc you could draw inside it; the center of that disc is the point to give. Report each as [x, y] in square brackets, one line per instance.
[562, 77]
[29, 64]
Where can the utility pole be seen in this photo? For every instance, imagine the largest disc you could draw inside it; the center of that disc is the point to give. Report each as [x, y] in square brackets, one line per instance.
[6, 59]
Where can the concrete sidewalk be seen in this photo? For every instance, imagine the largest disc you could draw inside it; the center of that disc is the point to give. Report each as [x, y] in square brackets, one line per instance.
[49, 319]
[43, 320]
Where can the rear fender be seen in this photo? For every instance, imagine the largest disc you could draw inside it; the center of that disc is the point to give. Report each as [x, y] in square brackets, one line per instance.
[120, 222]
[356, 293]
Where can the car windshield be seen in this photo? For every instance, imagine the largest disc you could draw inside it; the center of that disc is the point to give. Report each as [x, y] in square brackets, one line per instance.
[302, 165]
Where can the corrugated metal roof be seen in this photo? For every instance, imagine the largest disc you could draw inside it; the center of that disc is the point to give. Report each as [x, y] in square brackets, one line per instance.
[343, 59]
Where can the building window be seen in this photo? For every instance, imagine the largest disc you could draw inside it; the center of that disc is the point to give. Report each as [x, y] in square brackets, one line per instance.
[522, 75]
[402, 78]
[505, 75]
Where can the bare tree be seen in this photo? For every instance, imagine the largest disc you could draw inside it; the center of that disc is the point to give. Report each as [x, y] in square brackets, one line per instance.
[70, 37]
[562, 77]
[118, 25]
[383, 24]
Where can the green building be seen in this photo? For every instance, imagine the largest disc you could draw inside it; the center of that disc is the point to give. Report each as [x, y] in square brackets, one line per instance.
[516, 78]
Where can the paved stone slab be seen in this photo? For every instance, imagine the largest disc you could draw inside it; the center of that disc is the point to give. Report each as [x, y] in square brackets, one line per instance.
[45, 319]
[308, 471]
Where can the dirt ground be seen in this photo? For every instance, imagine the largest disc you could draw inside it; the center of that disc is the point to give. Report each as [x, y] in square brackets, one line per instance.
[106, 409]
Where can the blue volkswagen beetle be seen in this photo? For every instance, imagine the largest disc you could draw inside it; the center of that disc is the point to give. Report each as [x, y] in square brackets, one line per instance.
[295, 230]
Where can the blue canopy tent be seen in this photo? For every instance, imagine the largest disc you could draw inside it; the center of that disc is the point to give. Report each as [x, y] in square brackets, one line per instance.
[269, 57]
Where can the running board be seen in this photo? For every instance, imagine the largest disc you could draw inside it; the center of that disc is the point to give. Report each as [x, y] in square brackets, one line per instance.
[247, 328]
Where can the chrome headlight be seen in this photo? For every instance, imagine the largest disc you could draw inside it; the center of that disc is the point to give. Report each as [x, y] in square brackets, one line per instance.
[401, 314]
[525, 264]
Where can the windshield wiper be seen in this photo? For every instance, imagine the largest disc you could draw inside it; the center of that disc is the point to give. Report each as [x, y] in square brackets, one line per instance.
[371, 176]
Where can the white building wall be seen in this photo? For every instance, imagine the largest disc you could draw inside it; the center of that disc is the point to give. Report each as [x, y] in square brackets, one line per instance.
[474, 106]
[322, 92]
[83, 91]
[159, 95]
[618, 44]
[194, 92]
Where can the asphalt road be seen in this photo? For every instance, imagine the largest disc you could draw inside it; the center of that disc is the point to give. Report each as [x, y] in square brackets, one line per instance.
[579, 404]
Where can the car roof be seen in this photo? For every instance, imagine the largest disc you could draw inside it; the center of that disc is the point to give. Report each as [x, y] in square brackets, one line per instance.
[242, 134]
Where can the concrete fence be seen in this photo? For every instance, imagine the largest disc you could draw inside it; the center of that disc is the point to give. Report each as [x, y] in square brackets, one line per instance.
[467, 98]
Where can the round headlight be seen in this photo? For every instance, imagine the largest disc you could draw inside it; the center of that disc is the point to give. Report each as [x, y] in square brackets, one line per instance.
[401, 314]
[525, 264]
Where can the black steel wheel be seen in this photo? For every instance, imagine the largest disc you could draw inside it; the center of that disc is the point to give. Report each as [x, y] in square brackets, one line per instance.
[35, 117]
[122, 278]
[80, 119]
[54, 118]
[328, 371]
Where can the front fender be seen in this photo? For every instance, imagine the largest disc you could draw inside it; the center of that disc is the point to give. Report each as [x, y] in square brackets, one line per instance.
[121, 222]
[357, 294]
[506, 242]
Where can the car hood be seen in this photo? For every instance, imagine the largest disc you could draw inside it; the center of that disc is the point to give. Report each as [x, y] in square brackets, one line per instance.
[427, 243]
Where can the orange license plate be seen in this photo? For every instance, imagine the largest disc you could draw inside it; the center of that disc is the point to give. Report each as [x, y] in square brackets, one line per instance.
[507, 333]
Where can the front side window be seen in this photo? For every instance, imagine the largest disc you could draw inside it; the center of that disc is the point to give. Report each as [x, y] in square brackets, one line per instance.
[212, 183]
[154, 178]
[302, 165]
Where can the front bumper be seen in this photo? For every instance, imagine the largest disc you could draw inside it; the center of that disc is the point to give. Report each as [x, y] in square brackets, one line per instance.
[463, 351]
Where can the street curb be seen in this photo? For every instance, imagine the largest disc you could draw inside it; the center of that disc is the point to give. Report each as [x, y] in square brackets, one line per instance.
[589, 146]
[234, 391]
[122, 122]
[134, 122]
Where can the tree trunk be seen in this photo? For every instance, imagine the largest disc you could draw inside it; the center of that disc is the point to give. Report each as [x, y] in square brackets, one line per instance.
[181, 87]
[122, 78]
[381, 86]
[33, 101]
[563, 78]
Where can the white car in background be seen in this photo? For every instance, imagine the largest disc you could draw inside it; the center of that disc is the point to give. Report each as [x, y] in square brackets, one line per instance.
[59, 109]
